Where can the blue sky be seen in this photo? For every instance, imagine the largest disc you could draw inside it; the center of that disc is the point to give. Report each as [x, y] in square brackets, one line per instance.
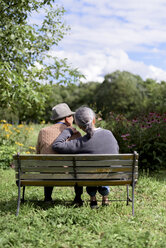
[109, 35]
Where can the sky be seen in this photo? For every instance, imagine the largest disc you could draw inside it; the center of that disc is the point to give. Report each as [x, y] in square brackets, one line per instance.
[110, 35]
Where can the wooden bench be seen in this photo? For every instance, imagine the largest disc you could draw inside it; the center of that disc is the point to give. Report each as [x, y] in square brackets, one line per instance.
[76, 169]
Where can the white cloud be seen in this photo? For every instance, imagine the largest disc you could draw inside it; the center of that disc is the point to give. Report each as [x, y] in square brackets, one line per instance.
[104, 34]
[156, 73]
[96, 65]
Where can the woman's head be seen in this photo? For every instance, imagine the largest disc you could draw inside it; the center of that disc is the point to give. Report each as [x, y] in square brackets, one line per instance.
[84, 118]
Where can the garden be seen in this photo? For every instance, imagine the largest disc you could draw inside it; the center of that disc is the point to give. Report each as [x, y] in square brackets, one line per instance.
[32, 81]
[59, 224]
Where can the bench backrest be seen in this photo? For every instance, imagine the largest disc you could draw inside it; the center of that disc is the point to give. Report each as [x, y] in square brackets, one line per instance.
[81, 169]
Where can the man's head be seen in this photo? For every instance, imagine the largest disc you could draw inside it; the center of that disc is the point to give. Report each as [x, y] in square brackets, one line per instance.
[62, 111]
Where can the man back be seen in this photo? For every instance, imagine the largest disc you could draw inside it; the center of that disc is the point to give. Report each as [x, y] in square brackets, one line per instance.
[47, 135]
[63, 116]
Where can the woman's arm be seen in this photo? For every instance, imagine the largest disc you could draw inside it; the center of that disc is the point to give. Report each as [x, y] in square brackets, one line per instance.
[61, 145]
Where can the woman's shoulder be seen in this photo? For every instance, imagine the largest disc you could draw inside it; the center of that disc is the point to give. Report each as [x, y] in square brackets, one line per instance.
[99, 129]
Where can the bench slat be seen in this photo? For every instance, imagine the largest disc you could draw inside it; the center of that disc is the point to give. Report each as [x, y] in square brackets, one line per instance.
[70, 157]
[78, 163]
[104, 162]
[60, 169]
[79, 176]
[72, 183]
[35, 163]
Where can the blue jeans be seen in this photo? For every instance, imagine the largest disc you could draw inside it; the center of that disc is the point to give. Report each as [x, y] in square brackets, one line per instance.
[103, 190]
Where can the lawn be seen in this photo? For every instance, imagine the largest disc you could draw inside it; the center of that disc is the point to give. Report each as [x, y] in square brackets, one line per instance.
[60, 225]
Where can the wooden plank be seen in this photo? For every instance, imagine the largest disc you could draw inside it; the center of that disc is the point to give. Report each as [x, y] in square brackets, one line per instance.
[74, 182]
[104, 163]
[43, 176]
[60, 169]
[46, 163]
[27, 163]
[70, 157]
[79, 176]
[78, 163]
[48, 157]
[89, 169]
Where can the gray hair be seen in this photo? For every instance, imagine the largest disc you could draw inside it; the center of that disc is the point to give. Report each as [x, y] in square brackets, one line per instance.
[84, 117]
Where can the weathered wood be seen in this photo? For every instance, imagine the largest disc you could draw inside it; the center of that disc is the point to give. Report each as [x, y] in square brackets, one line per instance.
[77, 166]
[36, 163]
[34, 176]
[76, 169]
[70, 157]
[73, 183]
[89, 169]
[54, 163]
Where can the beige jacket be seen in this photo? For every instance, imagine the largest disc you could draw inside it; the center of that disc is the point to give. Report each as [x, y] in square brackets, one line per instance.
[47, 135]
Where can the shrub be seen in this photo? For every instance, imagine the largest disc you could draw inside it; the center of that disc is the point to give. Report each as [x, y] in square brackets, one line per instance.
[6, 155]
[145, 134]
[13, 139]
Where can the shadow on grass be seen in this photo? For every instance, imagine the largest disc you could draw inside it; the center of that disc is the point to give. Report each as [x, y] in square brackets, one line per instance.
[50, 204]
[10, 206]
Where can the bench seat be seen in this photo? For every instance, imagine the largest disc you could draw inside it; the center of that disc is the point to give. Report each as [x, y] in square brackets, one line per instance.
[76, 169]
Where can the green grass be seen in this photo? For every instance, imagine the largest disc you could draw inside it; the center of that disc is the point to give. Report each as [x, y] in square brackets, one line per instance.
[60, 225]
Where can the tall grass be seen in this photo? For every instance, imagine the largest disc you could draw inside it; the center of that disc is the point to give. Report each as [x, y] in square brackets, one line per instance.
[60, 225]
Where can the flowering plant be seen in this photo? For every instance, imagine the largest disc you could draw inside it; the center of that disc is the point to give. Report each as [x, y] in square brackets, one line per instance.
[145, 134]
[13, 139]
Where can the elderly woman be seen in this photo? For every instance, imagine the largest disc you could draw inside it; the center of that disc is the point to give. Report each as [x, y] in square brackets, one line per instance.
[96, 141]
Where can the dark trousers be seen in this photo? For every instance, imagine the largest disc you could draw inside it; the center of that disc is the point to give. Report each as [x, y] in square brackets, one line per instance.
[48, 192]
[78, 191]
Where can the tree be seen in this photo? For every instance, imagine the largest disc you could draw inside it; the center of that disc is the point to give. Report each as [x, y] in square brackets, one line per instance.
[24, 54]
[82, 94]
[156, 96]
[120, 92]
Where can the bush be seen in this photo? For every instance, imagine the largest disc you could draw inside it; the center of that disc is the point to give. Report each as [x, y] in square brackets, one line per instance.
[145, 134]
[6, 155]
[13, 139]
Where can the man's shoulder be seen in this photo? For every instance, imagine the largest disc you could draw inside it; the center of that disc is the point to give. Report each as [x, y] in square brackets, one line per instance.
[47, 128]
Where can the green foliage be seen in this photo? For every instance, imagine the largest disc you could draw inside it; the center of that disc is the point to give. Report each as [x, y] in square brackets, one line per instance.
[156, 96]
[83, 94]
[73, 95]
[24, 56]
[145, 134]
[13, 139]
[120, 92]
[6, 155]
[61, 225]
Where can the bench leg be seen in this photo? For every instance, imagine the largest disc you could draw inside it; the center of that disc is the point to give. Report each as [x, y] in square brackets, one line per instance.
[128, 198]
[23, 194]
[19, 198]
[133, 198]
[127, 195]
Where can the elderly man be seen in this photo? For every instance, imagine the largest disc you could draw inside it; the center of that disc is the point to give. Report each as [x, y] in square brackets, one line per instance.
[63, 117]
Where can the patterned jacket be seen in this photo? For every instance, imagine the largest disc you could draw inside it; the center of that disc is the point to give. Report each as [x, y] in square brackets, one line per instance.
[47, 136]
